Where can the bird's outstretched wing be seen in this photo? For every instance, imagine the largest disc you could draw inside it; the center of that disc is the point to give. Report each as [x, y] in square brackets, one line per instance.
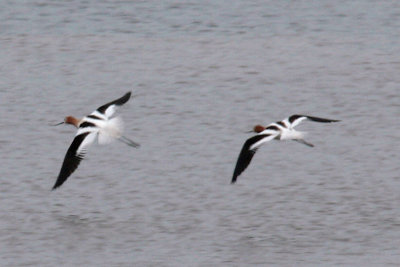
[75, 154]
[107, 110]
[295, 120]
[248, 150]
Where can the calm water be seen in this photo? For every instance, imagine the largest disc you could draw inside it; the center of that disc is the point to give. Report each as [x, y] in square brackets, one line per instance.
[203, 73]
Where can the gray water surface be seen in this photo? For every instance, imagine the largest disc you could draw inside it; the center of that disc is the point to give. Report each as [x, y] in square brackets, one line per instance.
[202, 74]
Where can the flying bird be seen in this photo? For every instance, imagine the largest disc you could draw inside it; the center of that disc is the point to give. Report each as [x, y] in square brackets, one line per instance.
[281, 130]
[99, 124]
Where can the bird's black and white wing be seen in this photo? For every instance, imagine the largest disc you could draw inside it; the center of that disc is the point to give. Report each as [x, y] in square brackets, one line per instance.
[107, 110]
[295, 120]
[248, 150]
[74, 155]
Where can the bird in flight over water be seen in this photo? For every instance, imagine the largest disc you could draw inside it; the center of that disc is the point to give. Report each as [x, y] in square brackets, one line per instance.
[99, 124]
[281, 130]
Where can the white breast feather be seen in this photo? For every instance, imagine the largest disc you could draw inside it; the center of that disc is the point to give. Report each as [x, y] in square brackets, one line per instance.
[112, 129]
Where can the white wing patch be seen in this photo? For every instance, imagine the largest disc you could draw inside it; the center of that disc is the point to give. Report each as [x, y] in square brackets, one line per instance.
[87, 130]
[110, 111]
[99, 115]
[262, 141]
[296, 121]
[89, 139]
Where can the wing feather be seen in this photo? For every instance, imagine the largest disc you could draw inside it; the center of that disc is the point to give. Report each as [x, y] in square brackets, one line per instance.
[109, 109]
[75, 154]
[295, 120]
[248, 150]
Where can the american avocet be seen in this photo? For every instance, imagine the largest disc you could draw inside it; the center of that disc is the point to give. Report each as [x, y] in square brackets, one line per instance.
[98, 124]
[281, 130]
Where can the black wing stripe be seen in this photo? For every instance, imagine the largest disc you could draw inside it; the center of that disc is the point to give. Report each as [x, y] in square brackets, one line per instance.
[94, 117]
[311, 118]
[87, 124]
[319, 119]
[295, 117]
[118, 102]
[272, 127]
[281, 123]
[246, 155]
[71, 160]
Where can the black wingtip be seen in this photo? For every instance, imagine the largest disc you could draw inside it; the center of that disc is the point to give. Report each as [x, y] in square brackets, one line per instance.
[124, 99]
[236, 173]
[317, 119]
[57, 184]
[55, 187]
[119, 102]
[128, 94]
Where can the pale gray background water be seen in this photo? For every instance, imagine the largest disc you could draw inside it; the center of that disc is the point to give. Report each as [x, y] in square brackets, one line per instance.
[203, 73]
